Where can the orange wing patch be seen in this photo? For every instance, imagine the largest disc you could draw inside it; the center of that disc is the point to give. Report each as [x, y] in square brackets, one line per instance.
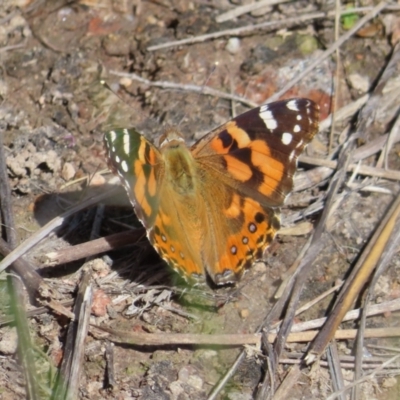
[234, 209]
[170, 244]
[258, 226]
[238, 169]
[272, 168]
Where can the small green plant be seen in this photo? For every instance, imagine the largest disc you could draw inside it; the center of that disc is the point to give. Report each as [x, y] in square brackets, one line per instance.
[349, 19]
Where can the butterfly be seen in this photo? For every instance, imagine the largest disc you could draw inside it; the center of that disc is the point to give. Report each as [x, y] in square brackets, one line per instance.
[213, 208]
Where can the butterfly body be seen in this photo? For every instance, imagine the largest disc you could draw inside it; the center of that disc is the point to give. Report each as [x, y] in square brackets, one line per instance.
[179, 164]
[213, 208]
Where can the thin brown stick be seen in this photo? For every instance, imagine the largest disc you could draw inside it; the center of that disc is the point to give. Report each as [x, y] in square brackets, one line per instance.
[265, 25]
[238, 31]
[293, 376]
[343, 364]
[179, 339]
[361, 169]
[32, 280]
[375, 309]
[93, 247]
[374, 12]
[190, 88]
[240, 10]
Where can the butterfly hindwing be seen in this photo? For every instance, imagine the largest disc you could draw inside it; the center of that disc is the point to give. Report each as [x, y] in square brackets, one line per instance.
[176, 234]
[245, 229]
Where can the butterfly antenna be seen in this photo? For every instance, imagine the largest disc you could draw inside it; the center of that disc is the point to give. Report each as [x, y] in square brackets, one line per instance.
[126, 109]
[214, 67]
[112, 90]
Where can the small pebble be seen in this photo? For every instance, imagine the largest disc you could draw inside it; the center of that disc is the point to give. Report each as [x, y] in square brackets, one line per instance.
[97, 180]
[9, 341]
[233, 45]
[100, 303]
[125, 82]
[359, 83]
[68, 171]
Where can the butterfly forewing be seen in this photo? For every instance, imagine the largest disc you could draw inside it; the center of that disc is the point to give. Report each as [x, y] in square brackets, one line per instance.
[141, 167]
[138, 164]
[259, 149]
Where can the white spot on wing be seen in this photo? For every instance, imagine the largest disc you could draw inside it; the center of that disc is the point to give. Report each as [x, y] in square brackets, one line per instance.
[117, 159]
[292, 105]
[268, 118]
[127, 144]
[124, 166]
[287, 138]
[296, 129]
[299, 117]
[113, 135]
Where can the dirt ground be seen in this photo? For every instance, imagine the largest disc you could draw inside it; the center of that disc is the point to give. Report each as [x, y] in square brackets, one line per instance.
[54, 110]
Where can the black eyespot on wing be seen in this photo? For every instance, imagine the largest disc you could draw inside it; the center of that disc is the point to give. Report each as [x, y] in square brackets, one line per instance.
[259, 217]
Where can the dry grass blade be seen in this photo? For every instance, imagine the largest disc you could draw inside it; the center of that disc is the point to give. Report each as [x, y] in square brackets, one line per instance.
[16, 288]
[360, 274]
[335, 368]
[69, 377]
[110, 364]
[246, 8]
[364, 378]
[390, 250]
[36, 311]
